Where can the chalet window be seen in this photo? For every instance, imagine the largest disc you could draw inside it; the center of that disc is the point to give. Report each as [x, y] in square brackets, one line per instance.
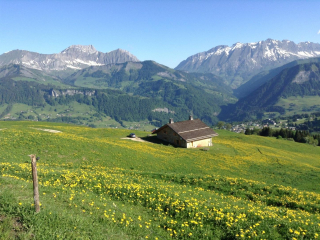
[165, 131]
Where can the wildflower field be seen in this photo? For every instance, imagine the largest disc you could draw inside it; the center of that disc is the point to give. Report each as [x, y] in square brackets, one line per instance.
[95, 185]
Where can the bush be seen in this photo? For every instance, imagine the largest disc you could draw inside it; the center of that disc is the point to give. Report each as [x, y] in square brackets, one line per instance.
[313, 141]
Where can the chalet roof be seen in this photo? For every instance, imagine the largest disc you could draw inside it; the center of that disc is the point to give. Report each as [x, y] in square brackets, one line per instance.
[190, 130]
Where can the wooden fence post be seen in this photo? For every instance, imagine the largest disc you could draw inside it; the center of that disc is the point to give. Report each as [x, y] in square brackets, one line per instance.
[35, 182]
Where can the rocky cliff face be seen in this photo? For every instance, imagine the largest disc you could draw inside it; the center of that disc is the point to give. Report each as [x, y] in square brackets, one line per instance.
[74, 57]
[57, 93]
[238, 63]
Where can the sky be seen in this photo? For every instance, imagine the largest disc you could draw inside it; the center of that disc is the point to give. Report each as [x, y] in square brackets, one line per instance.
[165, 31]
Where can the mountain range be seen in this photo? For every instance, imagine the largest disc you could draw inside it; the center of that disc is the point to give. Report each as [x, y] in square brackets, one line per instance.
[238, 63]
[74, 57]
[266, 76]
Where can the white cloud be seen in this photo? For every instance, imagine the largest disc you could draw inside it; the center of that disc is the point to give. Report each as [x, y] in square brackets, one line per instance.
[319, 32]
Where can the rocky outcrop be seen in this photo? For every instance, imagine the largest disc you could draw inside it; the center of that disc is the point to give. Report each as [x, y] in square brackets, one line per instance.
[57, 93]
[165, 110]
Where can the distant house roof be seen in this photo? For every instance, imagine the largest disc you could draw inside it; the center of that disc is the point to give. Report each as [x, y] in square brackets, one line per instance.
[190, 130]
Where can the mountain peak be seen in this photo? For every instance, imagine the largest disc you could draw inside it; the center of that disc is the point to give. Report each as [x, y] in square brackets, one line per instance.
[81, 48]
[122, 50]
[129, 56]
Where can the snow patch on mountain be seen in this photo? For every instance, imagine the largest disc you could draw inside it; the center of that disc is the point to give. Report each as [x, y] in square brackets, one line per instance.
[237, 45]
[73, 67]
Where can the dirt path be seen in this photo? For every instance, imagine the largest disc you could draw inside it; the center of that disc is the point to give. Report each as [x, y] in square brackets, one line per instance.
[48, 130]
[135, 139]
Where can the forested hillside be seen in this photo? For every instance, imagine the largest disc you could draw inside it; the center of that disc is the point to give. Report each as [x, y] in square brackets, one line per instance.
[264, 76]
[299, 81]
[114, 103]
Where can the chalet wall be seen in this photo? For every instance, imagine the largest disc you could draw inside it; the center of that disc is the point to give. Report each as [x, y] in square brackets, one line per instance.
[168, 135]
[200, 143]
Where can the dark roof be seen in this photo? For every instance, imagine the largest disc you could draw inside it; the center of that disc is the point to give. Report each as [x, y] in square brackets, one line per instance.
[190, 130]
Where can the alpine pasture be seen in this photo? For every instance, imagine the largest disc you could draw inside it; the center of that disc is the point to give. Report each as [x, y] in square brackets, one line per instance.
[95, 185]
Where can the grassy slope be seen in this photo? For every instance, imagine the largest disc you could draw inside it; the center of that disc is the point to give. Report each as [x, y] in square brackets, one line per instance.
[47, 80]
[3, 107]
[91, 178]
[298, 105]
[73, 110]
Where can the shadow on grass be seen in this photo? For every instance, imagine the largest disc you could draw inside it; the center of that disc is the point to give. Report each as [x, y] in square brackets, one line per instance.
[156, 140]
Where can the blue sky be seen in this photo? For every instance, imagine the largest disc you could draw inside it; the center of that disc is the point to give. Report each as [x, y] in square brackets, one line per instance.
[164, 31]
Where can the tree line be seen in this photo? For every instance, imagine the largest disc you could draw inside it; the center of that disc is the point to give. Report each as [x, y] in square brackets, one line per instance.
[300, 136]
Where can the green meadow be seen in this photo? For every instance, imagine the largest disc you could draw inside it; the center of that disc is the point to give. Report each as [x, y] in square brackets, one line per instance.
[298, 105]
[96, 184]
[81, 114]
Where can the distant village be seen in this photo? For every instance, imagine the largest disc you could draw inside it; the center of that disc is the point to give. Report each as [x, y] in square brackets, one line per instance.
[306, 122]
[241, 127]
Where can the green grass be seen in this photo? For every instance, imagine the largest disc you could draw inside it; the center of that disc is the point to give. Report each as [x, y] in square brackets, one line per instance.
[44, 80]
[3, 107]
[90, 82]
[142, 125]
[95, 185]
[298, 105]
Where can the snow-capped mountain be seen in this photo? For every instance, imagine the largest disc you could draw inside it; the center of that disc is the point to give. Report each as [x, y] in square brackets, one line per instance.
[238, 63]
[74, 57]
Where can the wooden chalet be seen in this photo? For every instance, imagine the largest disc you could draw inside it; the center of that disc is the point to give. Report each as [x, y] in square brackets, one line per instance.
[188, 134]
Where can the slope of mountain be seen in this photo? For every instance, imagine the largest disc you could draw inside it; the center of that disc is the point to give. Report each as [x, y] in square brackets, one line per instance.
[15, 70]
[298, 81]
[74, 57]
[201, 94]
[238, 63]
[21, 73]
[262, 77]
[130, 75]
[145, 90]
